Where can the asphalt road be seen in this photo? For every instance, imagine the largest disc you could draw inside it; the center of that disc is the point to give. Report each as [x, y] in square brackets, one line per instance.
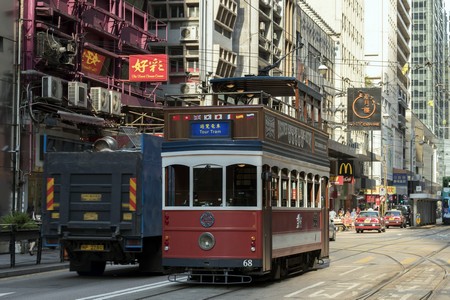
[398, 264]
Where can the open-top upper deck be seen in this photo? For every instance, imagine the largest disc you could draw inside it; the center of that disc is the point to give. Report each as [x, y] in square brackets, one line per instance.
[280, 113]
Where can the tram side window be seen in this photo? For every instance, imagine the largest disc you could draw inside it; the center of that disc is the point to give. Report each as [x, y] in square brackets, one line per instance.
[241, 185]
[301, 193]
[207, 185]
[177, 185]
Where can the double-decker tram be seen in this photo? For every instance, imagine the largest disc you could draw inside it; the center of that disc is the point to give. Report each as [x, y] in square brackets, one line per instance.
[245, 182]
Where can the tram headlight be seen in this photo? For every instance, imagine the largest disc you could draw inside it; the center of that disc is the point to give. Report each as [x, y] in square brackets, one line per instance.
[206, 241]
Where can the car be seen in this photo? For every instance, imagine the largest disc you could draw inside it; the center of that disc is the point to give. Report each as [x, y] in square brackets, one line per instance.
[394, 217]
[332, 231]
[369, 220]
[406, 211]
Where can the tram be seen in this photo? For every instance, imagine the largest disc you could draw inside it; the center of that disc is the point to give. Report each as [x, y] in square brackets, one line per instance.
[445, 198]
[245, 182]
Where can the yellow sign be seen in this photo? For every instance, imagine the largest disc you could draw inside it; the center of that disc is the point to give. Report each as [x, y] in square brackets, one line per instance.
[345, 168]
[90, 216]
[92, 248]
[91, 197]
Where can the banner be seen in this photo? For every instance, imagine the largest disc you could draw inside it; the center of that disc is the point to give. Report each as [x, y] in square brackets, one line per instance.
[92, 62]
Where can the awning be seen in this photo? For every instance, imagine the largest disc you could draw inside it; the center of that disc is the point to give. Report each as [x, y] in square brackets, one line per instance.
[81, 119]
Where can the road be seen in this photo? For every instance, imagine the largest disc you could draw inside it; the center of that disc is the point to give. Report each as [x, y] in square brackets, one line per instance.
[398, 264]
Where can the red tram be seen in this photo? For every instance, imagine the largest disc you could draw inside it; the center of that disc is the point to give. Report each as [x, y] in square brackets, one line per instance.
[245, 183]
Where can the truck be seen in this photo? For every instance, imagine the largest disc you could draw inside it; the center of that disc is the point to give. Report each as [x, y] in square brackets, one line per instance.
[104, 205]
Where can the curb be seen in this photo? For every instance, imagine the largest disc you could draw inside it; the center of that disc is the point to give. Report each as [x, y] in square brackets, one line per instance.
[20, 271]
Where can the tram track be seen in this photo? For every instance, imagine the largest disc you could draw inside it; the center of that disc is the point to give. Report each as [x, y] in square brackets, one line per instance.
[407, 273]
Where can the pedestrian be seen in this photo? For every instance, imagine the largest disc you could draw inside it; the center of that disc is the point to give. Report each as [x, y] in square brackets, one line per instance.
[31, 242]
[332, 214]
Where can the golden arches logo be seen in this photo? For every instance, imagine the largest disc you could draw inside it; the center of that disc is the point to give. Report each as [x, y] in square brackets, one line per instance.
[347, 168]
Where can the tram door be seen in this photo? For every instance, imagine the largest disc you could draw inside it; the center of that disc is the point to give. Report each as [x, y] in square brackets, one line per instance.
[267, 220]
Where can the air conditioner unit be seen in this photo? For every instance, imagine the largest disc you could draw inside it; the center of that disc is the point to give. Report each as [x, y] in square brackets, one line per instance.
[262, 26]
[189, 33]
[277, 8]
[100, 99]
[115, 102]
[77, 94]
[52, 88]
[188, 88]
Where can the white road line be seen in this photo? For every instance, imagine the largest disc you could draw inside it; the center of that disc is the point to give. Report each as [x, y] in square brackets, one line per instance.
[6, 294]
[350, 271]
[129, 291]
[302, 290]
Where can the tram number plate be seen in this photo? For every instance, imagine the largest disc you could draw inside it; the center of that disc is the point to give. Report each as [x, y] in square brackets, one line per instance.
[247, 263]
[92, 247]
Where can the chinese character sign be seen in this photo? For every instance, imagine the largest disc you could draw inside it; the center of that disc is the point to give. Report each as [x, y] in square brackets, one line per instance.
[92, 62]
[149, 67]
[364, 108]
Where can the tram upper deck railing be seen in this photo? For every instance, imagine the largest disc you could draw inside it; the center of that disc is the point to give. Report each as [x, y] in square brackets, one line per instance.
[286, 95]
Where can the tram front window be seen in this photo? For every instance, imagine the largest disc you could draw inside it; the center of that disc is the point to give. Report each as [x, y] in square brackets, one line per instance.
[241, 185]
[207, 185]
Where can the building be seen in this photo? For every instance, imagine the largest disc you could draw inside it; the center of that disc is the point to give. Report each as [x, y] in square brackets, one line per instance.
[71, 84]
[429, 58]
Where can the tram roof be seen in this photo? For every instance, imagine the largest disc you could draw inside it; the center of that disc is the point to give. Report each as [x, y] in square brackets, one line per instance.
[276, 86]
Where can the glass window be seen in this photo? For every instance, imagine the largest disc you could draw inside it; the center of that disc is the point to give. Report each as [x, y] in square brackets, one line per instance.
[207, 187]
[241, 185]
[177, 185]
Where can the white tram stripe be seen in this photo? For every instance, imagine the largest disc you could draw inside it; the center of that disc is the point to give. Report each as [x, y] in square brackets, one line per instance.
[129, 291]
[286, 240]
[304, 289]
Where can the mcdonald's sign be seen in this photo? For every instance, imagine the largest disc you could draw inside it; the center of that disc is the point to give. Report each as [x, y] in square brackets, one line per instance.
[345, 168]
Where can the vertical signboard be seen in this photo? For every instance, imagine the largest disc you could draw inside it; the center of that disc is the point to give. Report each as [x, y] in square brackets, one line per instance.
[364, 108]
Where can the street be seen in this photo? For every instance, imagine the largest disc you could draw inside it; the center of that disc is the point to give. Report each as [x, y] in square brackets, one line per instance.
[410, 263]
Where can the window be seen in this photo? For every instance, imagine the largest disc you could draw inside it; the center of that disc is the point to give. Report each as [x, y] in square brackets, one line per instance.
[241, 185]
[207, 187]
[177, 185]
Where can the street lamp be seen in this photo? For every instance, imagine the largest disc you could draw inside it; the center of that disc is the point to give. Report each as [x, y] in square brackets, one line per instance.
[323, 70]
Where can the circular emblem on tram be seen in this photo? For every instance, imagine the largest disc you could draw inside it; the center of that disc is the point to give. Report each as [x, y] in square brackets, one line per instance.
[207, 219]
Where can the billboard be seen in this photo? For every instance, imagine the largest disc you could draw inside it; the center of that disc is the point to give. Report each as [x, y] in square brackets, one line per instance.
[148, 67]
[364, 109]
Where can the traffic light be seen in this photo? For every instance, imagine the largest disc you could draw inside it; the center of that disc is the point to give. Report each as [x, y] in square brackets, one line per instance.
[446, 181]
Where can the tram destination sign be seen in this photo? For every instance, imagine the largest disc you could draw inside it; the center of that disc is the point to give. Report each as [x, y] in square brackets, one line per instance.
[210, 129]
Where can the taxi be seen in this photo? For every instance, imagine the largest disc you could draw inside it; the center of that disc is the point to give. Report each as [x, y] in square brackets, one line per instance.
[369, 220]
[394, 217]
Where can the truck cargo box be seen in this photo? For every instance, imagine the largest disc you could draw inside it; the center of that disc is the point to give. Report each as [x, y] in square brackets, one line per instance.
[107, 201]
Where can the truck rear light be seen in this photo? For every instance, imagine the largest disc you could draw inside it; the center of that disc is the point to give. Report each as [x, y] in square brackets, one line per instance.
[133, 243]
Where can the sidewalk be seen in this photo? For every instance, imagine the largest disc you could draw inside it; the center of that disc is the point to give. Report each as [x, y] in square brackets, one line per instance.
[27, 264]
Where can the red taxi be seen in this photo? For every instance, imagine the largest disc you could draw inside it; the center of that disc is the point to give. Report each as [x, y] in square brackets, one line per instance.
[369, 220]
[394, 218]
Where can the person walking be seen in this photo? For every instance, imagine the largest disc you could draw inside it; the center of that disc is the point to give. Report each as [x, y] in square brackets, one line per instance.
[31, 242]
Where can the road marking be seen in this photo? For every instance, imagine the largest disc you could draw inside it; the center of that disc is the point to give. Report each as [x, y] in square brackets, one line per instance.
[365, 260]
[408, 260]
[6, 294]
[129, 291]
[350, 271]
[302, 290]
